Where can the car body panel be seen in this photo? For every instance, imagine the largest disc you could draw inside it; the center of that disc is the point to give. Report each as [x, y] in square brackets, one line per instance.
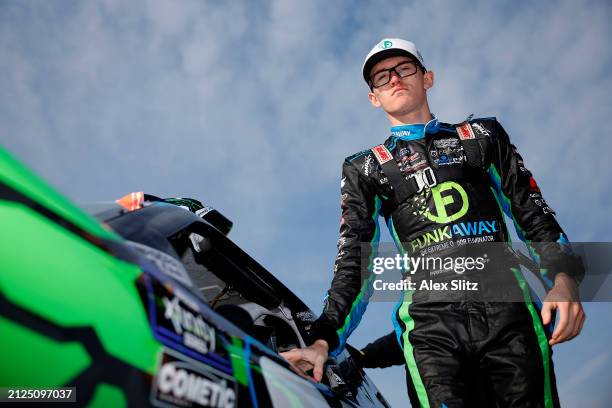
[120, 309]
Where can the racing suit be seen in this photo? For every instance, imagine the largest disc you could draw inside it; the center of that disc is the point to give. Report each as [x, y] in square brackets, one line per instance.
[447, 338]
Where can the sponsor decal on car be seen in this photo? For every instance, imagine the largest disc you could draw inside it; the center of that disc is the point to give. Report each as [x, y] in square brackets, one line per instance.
[177, 322]
[306, 316]
[197, 334]
[163, 262]
[203, 211]
[181, 381]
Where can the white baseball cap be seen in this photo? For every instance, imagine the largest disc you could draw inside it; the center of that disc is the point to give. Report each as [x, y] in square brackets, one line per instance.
[389, 47]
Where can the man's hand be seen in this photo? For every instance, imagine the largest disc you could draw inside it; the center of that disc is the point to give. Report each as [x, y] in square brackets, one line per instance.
[311, 357]
[564, 298]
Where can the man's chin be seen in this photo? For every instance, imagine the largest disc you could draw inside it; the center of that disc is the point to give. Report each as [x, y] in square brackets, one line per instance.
[402, 109]
[403, 100]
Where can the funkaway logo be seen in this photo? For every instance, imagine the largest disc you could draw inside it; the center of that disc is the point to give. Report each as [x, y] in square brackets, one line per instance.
[461, 229]
[400, 133]
[441, 202]
[386, 44]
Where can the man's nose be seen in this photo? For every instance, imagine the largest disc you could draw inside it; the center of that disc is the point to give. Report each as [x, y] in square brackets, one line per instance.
[393, 77]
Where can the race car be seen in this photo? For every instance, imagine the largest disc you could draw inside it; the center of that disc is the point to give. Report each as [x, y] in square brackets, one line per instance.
[149, 303]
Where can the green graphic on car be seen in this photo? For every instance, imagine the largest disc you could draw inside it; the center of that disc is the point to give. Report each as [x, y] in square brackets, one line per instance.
[127, 311]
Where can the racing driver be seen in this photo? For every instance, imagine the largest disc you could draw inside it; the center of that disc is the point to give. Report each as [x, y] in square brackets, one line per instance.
[438, 186]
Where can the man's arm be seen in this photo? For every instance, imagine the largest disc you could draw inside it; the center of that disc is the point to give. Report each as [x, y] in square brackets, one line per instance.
[564, 298]
[381, 353]
[536, 224]
[346, 300]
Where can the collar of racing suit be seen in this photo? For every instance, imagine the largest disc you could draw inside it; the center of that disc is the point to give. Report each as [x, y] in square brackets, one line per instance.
[415, 130]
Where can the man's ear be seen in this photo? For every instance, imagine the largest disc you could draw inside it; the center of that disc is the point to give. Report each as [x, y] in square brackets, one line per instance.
[428, 79]
[374, 100]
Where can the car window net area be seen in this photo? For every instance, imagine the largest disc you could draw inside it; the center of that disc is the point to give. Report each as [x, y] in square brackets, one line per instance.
[207, 269]
[220, 282]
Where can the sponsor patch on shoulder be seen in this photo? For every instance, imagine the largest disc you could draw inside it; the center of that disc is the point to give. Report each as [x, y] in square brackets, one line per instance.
[382, 154]
[481, 129]
[533, 186]
[465, 131]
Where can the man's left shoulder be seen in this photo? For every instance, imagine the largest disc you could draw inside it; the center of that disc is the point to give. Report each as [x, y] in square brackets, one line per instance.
[473, 128]
[484, 127]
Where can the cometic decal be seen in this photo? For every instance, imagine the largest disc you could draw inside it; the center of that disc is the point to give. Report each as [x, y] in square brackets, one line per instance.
[181, 381]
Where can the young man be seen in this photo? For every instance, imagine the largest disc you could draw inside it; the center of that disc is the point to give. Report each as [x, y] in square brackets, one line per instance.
[452, 182]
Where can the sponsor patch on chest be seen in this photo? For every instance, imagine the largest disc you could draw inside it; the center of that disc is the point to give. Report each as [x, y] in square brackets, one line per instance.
[465, 131]
[445, 152]
[382, 154]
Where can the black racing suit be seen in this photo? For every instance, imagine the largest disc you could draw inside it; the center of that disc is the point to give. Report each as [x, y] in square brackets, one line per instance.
[444, 339]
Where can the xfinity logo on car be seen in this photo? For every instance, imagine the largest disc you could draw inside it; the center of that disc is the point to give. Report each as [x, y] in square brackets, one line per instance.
[197, 333]
[187, 383]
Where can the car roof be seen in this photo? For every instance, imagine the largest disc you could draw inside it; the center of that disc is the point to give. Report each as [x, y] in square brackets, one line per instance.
[157, 222]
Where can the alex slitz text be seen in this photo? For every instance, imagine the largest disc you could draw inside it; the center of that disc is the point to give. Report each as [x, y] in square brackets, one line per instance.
[425, 285]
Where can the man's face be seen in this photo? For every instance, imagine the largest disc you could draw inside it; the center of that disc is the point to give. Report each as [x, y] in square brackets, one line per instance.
[401, 95]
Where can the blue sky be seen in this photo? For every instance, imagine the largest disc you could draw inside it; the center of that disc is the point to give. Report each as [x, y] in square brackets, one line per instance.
[252, 106]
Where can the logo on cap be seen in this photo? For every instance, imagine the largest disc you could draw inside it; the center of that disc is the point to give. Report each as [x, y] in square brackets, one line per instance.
[386, 44]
